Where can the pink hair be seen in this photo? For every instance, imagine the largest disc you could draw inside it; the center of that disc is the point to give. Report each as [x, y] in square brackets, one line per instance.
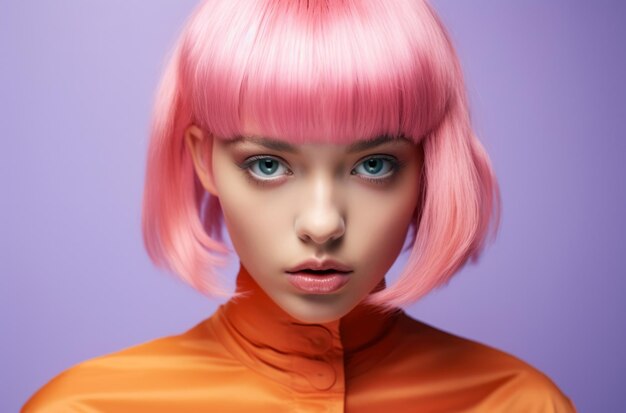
[319, 70]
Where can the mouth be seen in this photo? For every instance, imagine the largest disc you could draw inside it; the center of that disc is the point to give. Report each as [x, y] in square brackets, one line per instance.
[330, 271]
[319, 277]
[316, 267]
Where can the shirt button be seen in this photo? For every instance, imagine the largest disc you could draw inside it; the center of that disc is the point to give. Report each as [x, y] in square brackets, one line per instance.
[317, 339]
[321, 375]
[321, 343]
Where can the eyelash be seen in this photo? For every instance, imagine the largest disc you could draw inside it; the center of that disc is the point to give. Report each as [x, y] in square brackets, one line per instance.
[394, 167]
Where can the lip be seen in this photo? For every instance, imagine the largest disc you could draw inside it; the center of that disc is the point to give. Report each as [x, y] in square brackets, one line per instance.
[319, 284]
[336, 276]
[320, 265]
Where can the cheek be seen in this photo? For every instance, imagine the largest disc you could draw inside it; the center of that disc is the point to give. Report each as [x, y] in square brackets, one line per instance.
[256, 223]
[242, 218]
[381, 226]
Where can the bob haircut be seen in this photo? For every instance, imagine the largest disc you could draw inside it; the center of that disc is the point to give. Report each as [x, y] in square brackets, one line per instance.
[327, 71]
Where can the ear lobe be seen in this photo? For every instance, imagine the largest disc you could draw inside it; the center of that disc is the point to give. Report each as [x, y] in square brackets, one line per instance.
[200, 147]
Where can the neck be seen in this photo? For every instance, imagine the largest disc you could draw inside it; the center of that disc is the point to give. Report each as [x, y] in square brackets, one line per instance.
[255, 308]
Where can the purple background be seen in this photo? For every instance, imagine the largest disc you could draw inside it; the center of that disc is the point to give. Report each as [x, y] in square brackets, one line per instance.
[547, 83]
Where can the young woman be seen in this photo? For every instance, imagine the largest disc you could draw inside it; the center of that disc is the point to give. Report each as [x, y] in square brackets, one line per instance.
[325, 135]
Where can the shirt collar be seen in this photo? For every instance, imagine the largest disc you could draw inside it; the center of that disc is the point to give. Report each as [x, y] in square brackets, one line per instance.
[268, 339]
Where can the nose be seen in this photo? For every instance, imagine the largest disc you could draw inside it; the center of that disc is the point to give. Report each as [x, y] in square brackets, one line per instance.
[320, 219]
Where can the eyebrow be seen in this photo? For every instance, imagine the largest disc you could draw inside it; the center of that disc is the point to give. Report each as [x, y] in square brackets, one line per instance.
[278, 145]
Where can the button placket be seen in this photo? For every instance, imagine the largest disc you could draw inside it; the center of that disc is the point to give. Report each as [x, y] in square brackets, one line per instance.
[315, 363]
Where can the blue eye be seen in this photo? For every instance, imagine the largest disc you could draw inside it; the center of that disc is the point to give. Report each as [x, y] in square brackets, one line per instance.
[376, 167]
[265, 168]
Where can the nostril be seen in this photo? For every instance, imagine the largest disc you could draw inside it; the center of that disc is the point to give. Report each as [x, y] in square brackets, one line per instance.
[320, 229]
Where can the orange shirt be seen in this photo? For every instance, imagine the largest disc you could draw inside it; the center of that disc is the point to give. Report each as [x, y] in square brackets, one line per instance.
[251, 356]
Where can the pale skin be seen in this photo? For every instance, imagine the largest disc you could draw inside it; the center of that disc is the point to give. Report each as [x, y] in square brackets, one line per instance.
[291, 203]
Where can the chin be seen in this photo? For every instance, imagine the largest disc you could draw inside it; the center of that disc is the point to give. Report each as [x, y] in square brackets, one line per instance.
[316, 313]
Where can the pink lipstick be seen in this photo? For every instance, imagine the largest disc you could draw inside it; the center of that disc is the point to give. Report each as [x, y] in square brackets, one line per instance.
[319, 277]
[318, 284]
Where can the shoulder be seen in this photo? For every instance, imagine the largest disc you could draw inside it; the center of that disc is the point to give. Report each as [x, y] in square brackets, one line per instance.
[498, 380]
[151, 367]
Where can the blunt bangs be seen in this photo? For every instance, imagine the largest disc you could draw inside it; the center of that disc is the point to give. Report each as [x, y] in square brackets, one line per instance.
[305, 71]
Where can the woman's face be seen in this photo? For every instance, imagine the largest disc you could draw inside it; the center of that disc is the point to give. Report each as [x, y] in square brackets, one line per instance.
[287, 204]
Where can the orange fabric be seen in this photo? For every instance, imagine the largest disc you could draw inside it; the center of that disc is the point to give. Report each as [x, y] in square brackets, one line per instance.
[250, 356]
